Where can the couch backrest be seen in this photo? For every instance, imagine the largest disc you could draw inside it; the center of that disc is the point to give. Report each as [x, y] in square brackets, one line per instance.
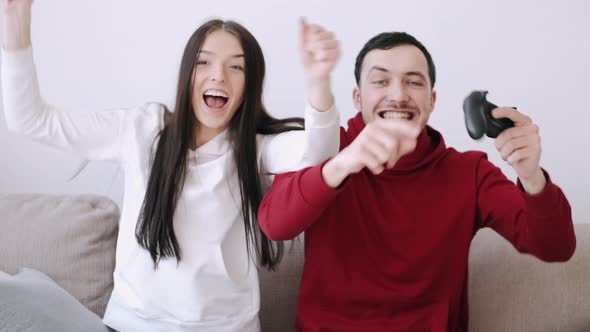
[279, 289]
[508, 291]
[72, 239]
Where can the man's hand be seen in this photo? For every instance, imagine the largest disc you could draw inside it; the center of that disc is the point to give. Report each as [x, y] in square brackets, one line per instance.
[520, 147]
[378, 147]
[17, 24]
[320, 52]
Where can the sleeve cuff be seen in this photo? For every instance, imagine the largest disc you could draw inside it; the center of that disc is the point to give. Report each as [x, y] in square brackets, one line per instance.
[314, 189]
[17, 60]
[539, 202]
[317, 119]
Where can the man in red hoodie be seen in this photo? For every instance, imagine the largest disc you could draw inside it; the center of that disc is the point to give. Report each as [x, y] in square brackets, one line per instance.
[389, 220]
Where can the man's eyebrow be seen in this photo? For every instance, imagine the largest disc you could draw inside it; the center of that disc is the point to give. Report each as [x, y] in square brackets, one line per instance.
[415, 73]
[408, 73]
[378, 68]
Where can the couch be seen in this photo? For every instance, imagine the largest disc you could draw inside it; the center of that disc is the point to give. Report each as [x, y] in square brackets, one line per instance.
[71, 241]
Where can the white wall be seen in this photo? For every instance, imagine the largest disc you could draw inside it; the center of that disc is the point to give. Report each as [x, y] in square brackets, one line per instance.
[94, 55]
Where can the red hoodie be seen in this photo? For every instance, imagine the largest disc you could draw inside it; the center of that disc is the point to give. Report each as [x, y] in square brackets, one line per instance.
[389, 252]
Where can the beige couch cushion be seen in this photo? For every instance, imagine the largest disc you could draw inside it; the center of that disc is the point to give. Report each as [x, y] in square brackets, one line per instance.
[70, 238]
[279, 290]
[509, 291]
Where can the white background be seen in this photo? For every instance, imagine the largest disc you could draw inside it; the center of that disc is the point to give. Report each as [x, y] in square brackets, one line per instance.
[535, 55]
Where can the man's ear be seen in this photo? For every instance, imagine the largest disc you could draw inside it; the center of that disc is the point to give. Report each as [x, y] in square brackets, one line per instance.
[433, 99]
[356, 98]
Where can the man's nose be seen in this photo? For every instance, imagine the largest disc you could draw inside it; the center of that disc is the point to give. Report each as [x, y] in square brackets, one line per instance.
[398, 91]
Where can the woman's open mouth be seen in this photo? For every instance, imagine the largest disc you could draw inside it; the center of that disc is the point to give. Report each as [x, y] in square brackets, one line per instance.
[215, 98]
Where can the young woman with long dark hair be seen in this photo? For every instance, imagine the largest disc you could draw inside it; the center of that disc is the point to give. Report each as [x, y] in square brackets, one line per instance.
[189, 243]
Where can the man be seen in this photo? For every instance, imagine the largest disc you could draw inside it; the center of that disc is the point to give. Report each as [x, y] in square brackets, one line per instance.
[389, 220]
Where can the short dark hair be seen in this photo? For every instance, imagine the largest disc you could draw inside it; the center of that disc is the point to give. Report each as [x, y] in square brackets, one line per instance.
[388, 40]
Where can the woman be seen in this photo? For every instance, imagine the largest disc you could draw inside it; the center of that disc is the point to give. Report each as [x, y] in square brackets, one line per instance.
[188, 239]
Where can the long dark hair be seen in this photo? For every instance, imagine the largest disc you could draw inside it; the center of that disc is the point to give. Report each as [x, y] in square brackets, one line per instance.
[155, 229]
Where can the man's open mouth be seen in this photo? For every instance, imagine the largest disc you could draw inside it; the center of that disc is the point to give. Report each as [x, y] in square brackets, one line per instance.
[397, 114]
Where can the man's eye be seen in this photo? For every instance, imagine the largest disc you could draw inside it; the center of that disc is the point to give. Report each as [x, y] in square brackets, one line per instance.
[379, 82]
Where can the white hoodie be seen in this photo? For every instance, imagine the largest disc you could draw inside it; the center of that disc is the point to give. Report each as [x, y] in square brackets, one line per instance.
[215, 285]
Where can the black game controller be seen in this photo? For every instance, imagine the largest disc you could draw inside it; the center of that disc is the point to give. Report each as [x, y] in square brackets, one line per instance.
[479, 119]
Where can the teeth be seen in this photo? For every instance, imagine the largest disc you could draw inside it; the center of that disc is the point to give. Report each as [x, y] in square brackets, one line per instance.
[397, 115]
[216, 93]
